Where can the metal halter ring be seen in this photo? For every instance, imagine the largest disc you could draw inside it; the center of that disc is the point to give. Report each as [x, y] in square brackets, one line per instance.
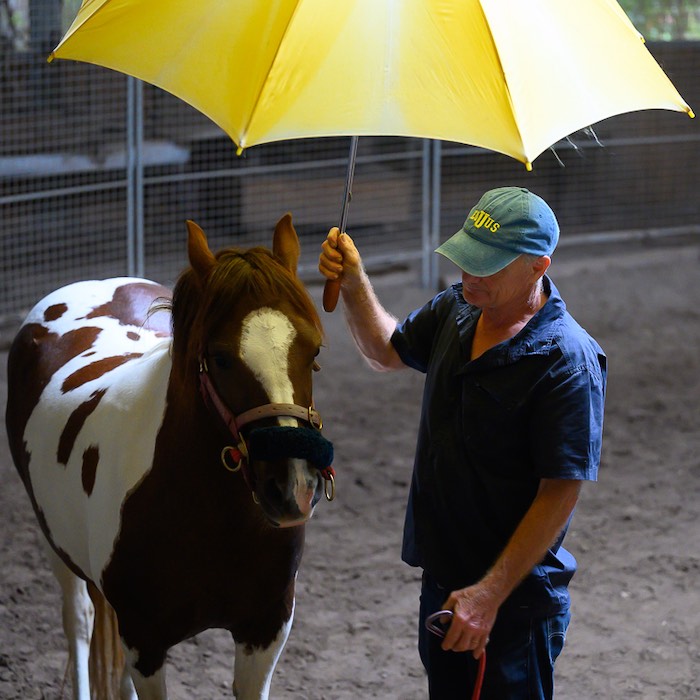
[329, 479]
[232, 450]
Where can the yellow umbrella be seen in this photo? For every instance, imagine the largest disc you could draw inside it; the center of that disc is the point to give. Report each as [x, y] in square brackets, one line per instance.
[512, 76]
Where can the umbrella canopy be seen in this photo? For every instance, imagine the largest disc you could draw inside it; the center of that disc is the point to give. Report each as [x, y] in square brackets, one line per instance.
[511, 76]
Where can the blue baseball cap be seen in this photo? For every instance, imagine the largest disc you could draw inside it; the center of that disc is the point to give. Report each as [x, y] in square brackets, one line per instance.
[505, 223]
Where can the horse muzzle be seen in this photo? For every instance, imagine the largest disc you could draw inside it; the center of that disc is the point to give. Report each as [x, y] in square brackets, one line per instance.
[287, 469]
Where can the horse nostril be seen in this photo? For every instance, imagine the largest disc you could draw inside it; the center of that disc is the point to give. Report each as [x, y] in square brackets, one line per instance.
[316, 488]
[273, 492]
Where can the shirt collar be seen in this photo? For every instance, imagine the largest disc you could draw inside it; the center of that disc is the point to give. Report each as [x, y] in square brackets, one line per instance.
[537, 337]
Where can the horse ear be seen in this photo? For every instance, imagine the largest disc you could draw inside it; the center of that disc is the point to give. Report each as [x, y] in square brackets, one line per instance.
[285, 243]
[201, 258]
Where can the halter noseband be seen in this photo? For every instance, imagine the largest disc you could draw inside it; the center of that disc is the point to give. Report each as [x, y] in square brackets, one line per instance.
[239, 452]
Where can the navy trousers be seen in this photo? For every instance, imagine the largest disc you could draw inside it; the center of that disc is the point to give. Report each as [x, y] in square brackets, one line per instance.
[520, 655]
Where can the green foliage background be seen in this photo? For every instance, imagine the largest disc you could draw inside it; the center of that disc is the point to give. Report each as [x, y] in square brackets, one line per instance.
[665, 20]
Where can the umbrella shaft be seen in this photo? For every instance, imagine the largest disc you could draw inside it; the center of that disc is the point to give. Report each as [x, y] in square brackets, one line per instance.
[347, 196]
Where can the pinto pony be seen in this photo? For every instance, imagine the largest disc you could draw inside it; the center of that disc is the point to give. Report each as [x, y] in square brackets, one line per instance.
[126, 436]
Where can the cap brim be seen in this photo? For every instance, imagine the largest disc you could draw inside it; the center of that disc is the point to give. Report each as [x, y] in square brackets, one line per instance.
[475, 258]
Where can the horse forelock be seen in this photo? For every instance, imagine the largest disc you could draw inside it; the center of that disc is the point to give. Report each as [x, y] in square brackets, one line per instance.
[199, 307]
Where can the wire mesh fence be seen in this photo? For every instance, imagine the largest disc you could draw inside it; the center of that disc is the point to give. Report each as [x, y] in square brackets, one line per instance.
[99, 173]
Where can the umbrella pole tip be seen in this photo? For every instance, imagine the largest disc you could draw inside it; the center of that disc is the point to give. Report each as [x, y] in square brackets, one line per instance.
[528, 166]
[50, 57]
[691, 114]
[239, 150]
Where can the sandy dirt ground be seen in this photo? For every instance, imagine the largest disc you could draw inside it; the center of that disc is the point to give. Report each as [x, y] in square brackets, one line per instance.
[636, 599]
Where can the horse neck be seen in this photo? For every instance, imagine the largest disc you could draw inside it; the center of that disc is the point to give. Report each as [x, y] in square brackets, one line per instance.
[184, 398]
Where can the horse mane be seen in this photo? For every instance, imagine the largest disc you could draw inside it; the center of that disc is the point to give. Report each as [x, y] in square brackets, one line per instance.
[198, 307]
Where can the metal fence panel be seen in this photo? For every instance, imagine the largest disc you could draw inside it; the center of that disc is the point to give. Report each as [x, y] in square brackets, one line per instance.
[99, 173]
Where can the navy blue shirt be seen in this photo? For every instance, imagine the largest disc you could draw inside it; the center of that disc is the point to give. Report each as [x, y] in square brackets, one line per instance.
[490, 429]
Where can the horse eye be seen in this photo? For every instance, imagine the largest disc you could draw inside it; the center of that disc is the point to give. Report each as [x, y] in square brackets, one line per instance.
[222, 360]
[316, 367]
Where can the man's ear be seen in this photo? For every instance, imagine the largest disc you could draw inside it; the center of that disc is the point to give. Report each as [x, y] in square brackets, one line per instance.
[541, 265]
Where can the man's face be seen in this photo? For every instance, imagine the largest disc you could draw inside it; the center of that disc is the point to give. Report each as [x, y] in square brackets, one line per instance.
[509, 285]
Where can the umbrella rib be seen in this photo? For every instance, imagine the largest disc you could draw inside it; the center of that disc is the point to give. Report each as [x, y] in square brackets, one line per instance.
[241, 145]
[528, 164]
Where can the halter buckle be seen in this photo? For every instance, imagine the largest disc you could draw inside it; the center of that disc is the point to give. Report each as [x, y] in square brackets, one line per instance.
[315, 419]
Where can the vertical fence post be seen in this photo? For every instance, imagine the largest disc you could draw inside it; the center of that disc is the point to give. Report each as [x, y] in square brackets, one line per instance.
[435, 210]
[426, 203]
[134, 178]
[431, 201]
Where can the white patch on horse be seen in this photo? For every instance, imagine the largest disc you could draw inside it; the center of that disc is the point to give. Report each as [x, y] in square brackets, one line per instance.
[253, 668]
[86, 527]
[145, 686]
[266, 338]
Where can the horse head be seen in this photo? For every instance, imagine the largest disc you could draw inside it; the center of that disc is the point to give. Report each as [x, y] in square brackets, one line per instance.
[245, 325]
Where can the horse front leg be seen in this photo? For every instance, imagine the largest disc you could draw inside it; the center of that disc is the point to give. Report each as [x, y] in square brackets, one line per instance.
[127, 691]
[253, 667]
[78, 617]
[147, 687]
[150, 688]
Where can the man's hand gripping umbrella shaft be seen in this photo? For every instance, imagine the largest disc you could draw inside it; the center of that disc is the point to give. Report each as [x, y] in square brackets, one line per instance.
[330, 265]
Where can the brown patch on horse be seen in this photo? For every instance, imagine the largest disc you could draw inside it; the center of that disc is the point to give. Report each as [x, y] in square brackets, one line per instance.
[91, 457]
[133, 336]
[205, 535]
[131, 306]
[53, 313]
[35, 356]
[74, 424]
[95, 370]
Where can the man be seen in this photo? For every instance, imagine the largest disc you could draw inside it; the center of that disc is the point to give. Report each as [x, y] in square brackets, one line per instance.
[511, 425]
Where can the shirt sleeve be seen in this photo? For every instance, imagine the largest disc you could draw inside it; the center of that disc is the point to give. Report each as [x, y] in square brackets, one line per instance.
[413, 338]
[567, 430]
